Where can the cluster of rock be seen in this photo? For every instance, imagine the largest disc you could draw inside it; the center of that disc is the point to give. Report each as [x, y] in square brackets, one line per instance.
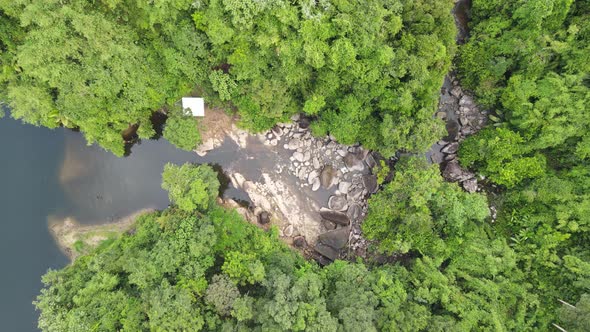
[343, 172]
[463, 118]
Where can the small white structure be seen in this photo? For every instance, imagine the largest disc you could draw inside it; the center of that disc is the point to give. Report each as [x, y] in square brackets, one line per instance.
[195, 105]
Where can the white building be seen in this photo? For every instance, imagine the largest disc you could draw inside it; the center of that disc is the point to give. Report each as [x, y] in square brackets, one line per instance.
[195, 105]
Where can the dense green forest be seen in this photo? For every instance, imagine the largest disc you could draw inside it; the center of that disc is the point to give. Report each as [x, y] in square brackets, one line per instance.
[199, 266]
[103, 66]
[369, 76]
[528, 61]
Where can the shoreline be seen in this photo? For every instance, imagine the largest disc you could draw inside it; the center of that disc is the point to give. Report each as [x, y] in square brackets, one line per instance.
[75, 239]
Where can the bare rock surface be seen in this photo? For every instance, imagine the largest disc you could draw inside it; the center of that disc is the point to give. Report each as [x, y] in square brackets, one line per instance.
[288, 174]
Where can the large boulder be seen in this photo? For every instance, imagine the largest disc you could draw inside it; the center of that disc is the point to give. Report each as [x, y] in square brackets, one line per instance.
[334, 216]
[370, 183]
[327, 251]
[336, 239]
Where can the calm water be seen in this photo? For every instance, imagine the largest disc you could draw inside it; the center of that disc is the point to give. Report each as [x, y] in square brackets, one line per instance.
[48, 175]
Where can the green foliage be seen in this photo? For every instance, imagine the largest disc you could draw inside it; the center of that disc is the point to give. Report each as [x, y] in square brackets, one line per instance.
[528, 61]
[181, 130]
[576, 318]
[499, 154]
[281, 57]
[383, 171]
[191, 187]
[417, 210]
[99, 68]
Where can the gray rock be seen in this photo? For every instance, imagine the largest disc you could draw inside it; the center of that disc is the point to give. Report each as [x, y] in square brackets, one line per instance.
[334, 216]
[338, 203]
[327, 176]
[354, 211]
[288, 231]
[298, 156]
[315, 184]
[451, 148]
[452, 171]
[436, 157]
[341, 152]
[293, 144]
[470, 185]
[370, 183]
[336, 239]
[295, 117]
[327, 251]
[263, 218]
[328, 224]
[306, 156]
[354, 194]
[344, 186]
[312, 176]
[316, 163]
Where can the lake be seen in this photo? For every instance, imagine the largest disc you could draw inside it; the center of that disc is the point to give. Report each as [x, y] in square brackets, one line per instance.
[47, 175]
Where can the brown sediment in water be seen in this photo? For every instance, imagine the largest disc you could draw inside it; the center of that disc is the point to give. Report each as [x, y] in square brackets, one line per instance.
[75, 239]
[215, 124]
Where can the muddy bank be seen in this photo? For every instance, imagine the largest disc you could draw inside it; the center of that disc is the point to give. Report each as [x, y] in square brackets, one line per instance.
[75, 239]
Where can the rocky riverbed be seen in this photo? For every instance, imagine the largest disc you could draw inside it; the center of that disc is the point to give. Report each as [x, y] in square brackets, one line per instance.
[313, 189]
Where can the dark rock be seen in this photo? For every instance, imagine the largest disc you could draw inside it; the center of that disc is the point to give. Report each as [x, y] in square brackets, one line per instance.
[304, 123]
[327, 176]
[334, 216]
[354, 211]
[451, 148]
[300, 242]
[263, 218]
[452, 130]
[370, 160]
[336, 239]
[370, 183]
[277, 130]
[452, 171]
[327, 251]
[338, 203]
[436, 156]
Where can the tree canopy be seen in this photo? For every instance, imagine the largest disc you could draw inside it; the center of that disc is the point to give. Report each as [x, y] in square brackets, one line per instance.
[210, 270]
[527, 61]
[104, 66]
